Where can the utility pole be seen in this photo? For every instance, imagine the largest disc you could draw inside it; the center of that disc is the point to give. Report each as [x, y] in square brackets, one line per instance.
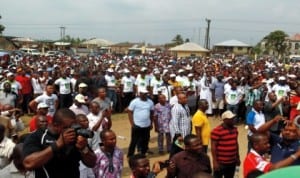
[62, 32]
[207, 38]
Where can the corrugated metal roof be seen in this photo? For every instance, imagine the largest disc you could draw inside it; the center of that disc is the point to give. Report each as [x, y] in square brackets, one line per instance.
[233, 43]
[189, 47]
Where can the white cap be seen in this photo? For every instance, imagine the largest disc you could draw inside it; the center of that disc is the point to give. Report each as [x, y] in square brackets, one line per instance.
[180, 70]
[126, 71]
[270, 81]
[292, 76]
[156, 72]
[80, 98]
[110, 70]
[227, 115]
[282, 78]
[143, 90]
[172, 75]
[82, 85]
[190, 75]
[10, 74]
[42, 105]
[143, 69]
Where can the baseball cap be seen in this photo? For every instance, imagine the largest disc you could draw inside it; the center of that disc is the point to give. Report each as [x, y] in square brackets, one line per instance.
[80, 98]
[110, 70]
[227, 115]
[82, 85]
[143, 69]
[143, 90]
[10, 74]
[172, 75]
[180, 70]
[42, 105]
[281, 78]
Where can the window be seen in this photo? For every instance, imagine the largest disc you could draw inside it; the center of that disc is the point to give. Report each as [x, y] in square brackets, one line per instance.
[296, 45]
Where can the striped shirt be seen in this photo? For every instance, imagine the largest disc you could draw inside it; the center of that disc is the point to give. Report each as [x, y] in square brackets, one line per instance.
[181, 120]
[227, 144]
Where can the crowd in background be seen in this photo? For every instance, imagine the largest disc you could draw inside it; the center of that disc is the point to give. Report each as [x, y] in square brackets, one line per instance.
[175, 96]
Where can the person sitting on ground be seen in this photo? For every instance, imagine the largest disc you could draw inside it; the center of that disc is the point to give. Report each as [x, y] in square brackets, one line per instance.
[78, 106]
[6, 147]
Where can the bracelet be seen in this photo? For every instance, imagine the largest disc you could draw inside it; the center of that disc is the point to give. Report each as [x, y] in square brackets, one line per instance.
[294, 157]
[54, 147]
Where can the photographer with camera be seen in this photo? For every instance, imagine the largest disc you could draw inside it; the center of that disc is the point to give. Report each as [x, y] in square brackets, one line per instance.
[57, 150]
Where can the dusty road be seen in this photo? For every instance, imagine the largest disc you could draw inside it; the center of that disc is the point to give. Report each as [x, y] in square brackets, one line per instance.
[122, 129]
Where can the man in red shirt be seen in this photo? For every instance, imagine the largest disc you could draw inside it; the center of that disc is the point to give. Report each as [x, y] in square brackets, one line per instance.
[37, 121]
[255, 160]
[26, 90]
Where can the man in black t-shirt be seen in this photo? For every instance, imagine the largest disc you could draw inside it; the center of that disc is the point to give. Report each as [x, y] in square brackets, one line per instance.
[57, 150]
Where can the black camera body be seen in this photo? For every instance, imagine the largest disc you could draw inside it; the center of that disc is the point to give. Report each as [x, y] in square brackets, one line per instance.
[82, 132]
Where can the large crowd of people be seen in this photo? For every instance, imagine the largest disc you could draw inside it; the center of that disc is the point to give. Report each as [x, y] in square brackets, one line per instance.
[72, 100]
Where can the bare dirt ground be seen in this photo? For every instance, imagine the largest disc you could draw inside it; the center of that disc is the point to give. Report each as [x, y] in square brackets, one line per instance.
[122, 128]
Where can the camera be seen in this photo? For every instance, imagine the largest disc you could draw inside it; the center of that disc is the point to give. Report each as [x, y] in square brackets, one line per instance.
[82, 132]
[164, 164]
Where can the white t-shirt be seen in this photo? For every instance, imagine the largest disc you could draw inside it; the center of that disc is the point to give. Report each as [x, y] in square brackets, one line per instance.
[49, 100]
[64, 85]
[280, 90]
[141, 83]
[93, 119]
[232, 97]
[127, 83]
[111, 80]
[155, 84]
[183, 80]
[15, 86]
[37, 86]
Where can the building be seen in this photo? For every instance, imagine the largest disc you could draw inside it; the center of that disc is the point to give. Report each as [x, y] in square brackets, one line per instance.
[232, 47]
[189, 50]
[294, 44]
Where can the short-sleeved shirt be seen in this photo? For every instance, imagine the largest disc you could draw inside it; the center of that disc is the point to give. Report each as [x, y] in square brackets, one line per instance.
[128, 83]
[63, 164]
[141, 111]
[200, 120]
[49, 100]
[227, 144]
[155, 84]
[104, 104]
[280, 90]
[254, 161]
[256, 119]
[64, 85]
[232, 97]
[8, 98]
[163, 114]
[33, 121]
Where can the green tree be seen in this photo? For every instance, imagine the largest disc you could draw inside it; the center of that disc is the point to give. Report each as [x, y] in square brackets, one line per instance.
[2, 28]
[276, 41]
[178, 39]
[73, 41]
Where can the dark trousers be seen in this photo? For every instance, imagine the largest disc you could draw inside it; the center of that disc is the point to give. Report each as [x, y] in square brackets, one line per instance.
[112, 95]
[226, 171]
[65, 101]
[141, 137]
[127, 99]
[26, 99]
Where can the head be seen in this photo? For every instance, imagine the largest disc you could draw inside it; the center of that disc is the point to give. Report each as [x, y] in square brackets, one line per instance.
[182, 98]
[258, 105]
[139, 165]
[203, 105]
[228, 119]
[49, 89]
[272, 96]
[10, 76]
[63, 119]
[7, 87]
[108, 138]
[82, 120]
[102, 93]
[41, 122]
[94, 108]
[42, 109]
[260, 143]
[290, 132]
[178, 90]
[192, 144]
[162, 99]
[143, 95]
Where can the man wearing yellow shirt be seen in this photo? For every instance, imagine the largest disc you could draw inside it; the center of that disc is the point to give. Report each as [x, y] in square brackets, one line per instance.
[200, 124]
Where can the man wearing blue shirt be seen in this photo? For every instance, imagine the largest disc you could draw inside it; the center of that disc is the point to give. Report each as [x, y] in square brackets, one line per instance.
[140, 114]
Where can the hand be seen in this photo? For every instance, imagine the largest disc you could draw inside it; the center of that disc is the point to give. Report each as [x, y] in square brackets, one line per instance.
[216, 166]
[67, 137]
[156, 168]
[238, 162]
[171, 168]
[81, 142]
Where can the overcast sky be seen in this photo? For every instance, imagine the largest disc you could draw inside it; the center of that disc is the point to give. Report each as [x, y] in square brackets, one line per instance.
[151, 21]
